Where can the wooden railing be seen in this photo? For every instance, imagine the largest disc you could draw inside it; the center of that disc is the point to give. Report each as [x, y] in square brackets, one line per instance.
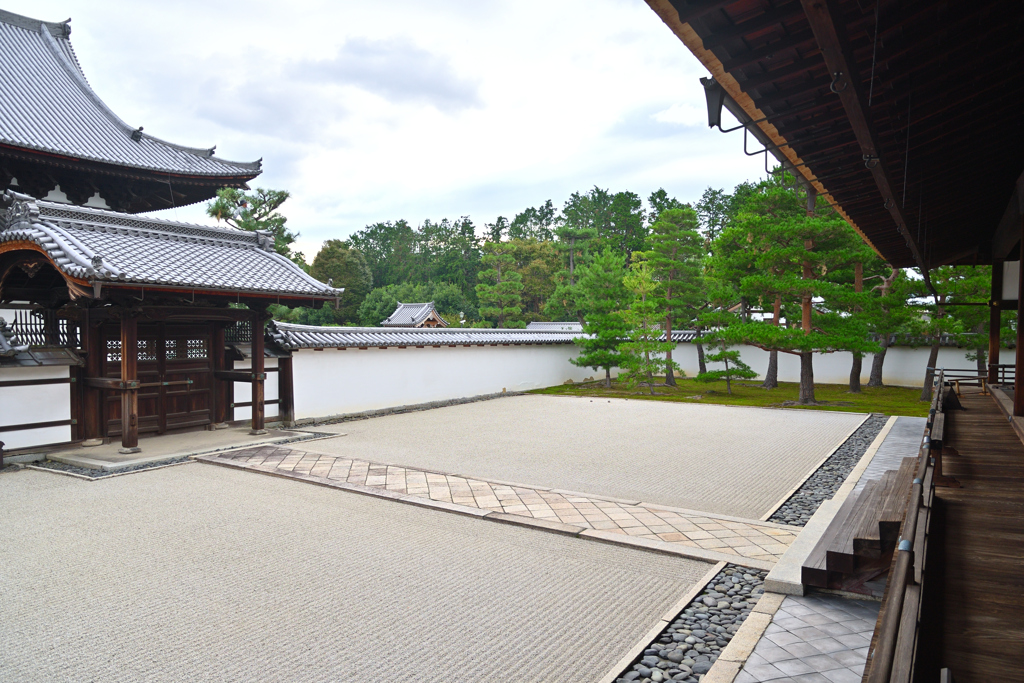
[42, 327]
[896, 642]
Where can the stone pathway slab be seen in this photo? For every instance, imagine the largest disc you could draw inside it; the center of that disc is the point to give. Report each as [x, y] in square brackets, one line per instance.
[744, 538]
[813, 637]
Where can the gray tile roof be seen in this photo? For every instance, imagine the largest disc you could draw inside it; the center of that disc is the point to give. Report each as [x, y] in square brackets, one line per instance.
[569, 326]
[105, 246]
[411, 315]
[49, 106]
[291, 336]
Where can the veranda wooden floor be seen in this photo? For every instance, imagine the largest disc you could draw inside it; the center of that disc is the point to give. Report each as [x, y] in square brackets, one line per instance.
[983, 591]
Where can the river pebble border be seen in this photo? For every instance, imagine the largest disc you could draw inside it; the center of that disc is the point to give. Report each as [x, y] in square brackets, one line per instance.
[691, 643]
[827, 479]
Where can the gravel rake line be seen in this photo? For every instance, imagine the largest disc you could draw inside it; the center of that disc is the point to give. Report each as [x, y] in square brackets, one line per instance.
[827, 479]
[692, 642]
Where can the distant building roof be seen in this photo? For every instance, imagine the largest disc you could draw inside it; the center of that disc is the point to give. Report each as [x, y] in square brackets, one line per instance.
[570, 326]
[50, 108]
[91, 245]
[414, 315]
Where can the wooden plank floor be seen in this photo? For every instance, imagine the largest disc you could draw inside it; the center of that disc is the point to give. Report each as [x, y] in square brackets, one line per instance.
[983, 591]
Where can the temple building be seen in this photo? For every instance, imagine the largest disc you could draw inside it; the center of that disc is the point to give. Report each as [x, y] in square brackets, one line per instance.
[122, 324]
[414, 315]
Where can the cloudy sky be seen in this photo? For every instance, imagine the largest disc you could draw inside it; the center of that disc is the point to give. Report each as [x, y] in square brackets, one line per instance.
[411, 109]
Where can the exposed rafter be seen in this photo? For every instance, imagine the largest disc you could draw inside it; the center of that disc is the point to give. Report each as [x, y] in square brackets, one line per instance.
[847, 84]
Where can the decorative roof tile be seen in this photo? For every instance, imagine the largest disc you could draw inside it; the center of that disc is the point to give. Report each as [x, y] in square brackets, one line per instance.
[569, 326]
[50, 107]
[105, 246]
[413, 315]
[10, 345]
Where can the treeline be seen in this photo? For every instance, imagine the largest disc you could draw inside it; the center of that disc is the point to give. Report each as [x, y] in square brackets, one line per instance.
[763, 265]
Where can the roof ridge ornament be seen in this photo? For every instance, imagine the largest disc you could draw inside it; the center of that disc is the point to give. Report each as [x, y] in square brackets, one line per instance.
[22, 208]
[137, 134]
[265, 240]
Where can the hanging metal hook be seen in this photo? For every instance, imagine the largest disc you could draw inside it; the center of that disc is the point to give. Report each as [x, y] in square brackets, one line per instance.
[836, 78]
[870, 160]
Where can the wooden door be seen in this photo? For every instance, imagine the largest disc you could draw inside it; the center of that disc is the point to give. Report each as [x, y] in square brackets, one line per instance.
[175, 373]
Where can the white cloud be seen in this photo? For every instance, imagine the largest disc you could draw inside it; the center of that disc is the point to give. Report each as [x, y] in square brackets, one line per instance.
[378, 111]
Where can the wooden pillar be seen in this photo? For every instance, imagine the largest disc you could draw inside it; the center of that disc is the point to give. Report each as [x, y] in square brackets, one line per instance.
[91, 420]
[995, 308]
[1018, 381]
[221, 400]
[129, 376]
[258, 374]
[285, 392]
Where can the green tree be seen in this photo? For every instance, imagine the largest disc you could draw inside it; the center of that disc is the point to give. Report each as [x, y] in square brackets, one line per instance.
[605, 296]
[343, 266]
[500, 288]
[738, 369]
[256, 211]
[887, 314]
[644, 347]
[534, 223]
[676, 249]
[389, 249]
[714, 210]
[574, 238]
[789, 257]
[497, 230]
[537, 261]
[660, 202]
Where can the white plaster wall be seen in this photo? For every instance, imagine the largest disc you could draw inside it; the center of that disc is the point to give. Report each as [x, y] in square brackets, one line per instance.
[336, 382]
[903, 366]
[243, 390]
[40, 403]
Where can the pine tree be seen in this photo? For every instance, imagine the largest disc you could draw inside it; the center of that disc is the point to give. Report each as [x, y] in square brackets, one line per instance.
[604, 328]
[500, 289]
[789, 257]
[644, 347]
[675, 255]
[739, 369]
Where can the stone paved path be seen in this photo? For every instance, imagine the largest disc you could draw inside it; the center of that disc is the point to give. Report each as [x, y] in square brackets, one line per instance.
[745, 538]
[814, 639]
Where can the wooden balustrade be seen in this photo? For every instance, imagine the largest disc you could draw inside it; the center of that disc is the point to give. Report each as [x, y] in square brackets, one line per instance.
[896, 643]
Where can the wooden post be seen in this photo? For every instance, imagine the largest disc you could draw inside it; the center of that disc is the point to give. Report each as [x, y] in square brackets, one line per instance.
[258, 374]
[1018, 376]
[285, 392]
[221, 400]
[130, 393]
[91, 420]
[995, 308]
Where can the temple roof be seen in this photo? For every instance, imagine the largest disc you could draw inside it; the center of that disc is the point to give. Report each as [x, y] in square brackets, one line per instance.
[570, 326]
[291, 336]
[50, 107]
[413, 315]
[96, 246]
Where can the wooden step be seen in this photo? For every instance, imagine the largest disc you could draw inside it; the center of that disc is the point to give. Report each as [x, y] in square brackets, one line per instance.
[814, 571]
[879, 538]
[839, 555]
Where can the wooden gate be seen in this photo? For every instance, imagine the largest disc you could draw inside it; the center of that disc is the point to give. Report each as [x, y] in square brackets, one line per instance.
[175, 372]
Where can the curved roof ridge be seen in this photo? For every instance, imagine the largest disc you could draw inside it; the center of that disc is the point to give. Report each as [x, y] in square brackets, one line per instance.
[413, 330]
[59, 211]
[143, 151]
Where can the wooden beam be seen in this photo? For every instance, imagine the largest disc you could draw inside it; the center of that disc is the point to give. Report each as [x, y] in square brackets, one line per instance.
[285, 392]
[258, 410]
[688, 11]
[217, 348]
[994, 320]
[1018, 380]
[245, 376]
[92, 398]
[826, 24]
[130, 380]
[1008, 233]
